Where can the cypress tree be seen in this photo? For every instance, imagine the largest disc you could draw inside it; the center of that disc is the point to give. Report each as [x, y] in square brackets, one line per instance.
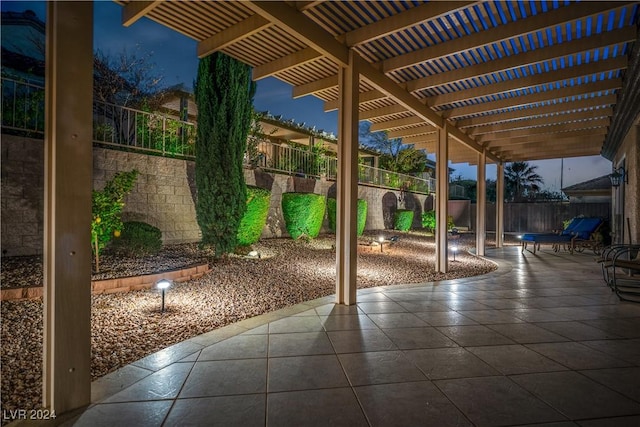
[224, 95]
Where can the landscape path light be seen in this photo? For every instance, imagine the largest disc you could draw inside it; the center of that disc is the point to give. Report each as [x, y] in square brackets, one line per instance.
[454, 249]
[163, 285]
[381, 240]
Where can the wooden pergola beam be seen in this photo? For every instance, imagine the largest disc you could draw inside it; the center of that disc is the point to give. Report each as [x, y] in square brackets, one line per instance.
[477, 124]
[526, 100]
[510, 30]
[368, 96]
[315, 86]
[531, 57]
[527, 82]
[382, 112]
[541, 121]
[233, 34]
[412, 131]
[285, 63]
[396, 124]
[401, 21]
[491, 139]
[132, 12]
[550, 139]
[556, 143]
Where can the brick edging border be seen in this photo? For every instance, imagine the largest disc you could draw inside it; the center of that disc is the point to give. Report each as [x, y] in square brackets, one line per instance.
[108, 286]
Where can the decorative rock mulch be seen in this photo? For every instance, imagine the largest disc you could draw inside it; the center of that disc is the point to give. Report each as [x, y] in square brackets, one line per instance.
[128, 326]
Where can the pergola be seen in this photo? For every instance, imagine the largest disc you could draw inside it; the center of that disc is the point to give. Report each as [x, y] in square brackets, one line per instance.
[471, 81]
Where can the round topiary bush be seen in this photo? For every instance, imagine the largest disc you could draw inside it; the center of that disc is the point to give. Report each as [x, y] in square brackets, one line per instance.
[362, 214]
[303, 214]
[403, 219]
[255, 217]
[138, 238]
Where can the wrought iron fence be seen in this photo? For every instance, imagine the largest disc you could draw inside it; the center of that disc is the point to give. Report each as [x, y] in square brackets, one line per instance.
[130, 129]
[144, 131]
[22, 106]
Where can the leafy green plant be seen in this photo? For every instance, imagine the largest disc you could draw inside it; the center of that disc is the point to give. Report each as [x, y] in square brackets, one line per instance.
[429, 221]
[362, 215]
[402, 219]
[255, 217]
[106, 209]
[303, 214]
[139, 238]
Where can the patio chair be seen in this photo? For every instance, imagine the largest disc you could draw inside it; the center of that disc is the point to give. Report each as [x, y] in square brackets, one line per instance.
[578, 232]
[553, 237]
[621, 270]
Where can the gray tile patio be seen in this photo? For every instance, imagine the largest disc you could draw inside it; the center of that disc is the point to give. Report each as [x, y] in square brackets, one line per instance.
[540, 341]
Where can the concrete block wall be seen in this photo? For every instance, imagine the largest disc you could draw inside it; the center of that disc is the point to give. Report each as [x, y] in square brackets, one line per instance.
[22, 190]
[163, 195]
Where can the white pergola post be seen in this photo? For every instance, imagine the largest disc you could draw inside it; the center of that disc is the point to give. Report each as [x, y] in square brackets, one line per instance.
[500, 206]
[442, 199]
[68, 184]
[347, 183]
[481, 204]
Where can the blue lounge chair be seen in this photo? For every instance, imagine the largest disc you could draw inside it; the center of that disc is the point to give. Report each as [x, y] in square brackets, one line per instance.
[578, 231]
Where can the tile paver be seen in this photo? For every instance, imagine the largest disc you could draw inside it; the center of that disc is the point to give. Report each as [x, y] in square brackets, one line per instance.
[528, 344]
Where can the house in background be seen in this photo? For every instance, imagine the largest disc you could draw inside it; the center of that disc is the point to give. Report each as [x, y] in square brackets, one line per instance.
[597, 190]
[23, 36]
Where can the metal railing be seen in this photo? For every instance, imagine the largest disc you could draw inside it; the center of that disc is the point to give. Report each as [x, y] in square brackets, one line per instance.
[143, 131]
[22, 106]
[130, 129]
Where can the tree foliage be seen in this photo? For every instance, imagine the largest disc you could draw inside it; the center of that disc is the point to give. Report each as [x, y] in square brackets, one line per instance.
[395, 155]
[521, 181]
[224, 95]
[106, 208]
[125, 79]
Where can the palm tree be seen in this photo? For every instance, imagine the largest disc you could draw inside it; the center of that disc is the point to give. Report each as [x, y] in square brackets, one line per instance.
[521, 180]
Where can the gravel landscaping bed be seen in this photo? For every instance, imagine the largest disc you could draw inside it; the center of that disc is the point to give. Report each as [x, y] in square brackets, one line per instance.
[128, 326]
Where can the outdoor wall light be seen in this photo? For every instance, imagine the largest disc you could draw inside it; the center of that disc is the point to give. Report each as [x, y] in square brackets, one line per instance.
[381, 240]
[618, 176]
[454, 249]
[163, 285]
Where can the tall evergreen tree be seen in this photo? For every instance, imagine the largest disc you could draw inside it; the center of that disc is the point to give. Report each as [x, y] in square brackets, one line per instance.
[224, 95]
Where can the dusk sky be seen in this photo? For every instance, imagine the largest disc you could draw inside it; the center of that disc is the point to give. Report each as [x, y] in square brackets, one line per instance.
[176, 60]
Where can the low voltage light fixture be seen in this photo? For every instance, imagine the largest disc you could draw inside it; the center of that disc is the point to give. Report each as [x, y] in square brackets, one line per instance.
[381, 240]
[618, 176]
[454, 249]
[163, 285]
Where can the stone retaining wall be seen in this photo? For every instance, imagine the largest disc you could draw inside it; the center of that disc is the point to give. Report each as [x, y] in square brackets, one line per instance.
[163, 196]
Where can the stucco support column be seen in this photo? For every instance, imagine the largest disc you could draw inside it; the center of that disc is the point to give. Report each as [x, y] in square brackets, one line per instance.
[68, 184]
[442, 199]
[500, 206]
[347, 183]
[481, 204]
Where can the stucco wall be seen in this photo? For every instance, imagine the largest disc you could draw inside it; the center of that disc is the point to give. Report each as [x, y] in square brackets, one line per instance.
[629, 154]
[164, 195]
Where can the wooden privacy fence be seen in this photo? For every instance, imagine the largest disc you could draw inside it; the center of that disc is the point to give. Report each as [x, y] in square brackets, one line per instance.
[539, 217]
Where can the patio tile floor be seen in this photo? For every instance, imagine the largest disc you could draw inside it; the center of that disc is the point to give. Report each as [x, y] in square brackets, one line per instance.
[540, 341]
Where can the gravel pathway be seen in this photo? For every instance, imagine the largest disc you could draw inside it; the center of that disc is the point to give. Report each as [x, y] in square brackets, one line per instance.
[128, 326]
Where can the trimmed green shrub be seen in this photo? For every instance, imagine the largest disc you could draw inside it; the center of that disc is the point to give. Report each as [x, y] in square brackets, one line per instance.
[303, 214]
[139, 238]
[403, 219]
[362, 214]
[429, 221]
[255, 216]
